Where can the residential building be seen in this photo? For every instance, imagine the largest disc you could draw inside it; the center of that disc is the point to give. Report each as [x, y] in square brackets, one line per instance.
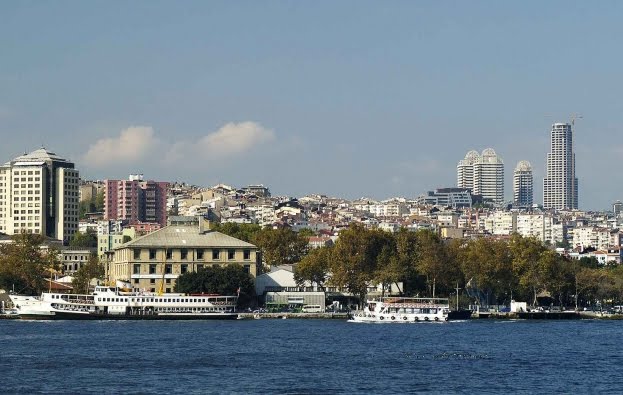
[560, 186]
[483, 175]
[136, 200]
[523, 184]
[39, 193]
[73, 258]
[159, 258]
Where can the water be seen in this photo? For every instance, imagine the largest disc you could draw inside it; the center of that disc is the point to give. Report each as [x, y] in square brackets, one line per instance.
[310, 357]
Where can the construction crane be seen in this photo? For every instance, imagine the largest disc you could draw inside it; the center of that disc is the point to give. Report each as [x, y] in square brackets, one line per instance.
[574, 117]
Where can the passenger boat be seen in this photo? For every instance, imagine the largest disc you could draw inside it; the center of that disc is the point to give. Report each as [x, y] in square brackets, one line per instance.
[404, 310]
[111, 303]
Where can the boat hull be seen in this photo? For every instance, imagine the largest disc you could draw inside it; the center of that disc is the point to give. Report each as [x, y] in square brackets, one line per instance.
[126, 317]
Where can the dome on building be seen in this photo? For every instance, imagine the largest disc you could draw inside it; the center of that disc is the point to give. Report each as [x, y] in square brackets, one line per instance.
[523, 165]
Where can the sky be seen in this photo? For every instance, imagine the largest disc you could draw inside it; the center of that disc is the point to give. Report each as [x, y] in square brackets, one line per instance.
[348, 99]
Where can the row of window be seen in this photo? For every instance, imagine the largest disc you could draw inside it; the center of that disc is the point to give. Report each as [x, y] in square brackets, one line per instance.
[216, 254]
[168, 269]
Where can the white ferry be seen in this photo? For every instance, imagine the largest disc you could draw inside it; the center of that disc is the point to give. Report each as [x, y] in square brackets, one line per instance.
[112, 303]
[398, 309]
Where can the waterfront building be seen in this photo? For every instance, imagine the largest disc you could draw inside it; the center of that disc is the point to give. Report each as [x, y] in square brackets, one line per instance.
[523, 184]
[39, 193]
[159, 258]
[73, 258]
[483, 175]
[560, 186]
[136, 200]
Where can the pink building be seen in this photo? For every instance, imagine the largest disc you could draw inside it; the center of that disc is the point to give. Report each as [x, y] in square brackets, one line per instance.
[136, 200]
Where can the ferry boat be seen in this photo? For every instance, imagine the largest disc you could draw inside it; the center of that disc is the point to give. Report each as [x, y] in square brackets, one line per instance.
[111, 303]
[404, 310]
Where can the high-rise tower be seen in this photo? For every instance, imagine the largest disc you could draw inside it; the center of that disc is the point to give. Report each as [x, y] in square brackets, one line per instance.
[560, 186]
[39, 193]
[523, 184]
[483, 174]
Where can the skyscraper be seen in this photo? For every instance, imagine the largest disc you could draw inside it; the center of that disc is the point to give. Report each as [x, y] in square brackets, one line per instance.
[560, 186]
[483, 174]
[136, 200]
[39, 193]
[523, 184]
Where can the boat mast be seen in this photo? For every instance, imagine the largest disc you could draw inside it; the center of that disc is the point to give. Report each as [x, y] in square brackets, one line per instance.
[457, 296]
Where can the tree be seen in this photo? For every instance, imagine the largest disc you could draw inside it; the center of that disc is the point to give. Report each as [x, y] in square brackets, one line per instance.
[93, 269]
[219, 280]
[431, 258]
[25, 265]
[86, 240]
[354, 260]
[314, 267]
[527, 264]
[244, 232]
[280, 246]
[99, 201]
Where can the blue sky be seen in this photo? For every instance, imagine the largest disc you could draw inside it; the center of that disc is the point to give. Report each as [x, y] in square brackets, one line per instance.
[348, 98]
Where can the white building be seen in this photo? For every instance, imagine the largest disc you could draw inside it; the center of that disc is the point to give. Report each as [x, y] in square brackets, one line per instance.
[560, 186]
[483, 174]
[39, 193]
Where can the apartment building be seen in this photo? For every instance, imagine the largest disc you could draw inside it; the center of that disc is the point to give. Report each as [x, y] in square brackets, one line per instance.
[39, 193]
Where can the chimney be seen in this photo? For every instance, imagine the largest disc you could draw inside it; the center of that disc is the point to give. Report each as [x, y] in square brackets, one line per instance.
[204, 225]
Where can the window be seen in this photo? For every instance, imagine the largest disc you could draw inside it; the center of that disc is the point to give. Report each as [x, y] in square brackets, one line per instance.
[199, 267]
[169, 254]
[246, 255]
[199, 254]
[152, 254]
[168, 268]
[216, 254]
[168, 281]
[137, 254]
[184, 253]
[137, 268]
[152, 280]
[184, 268]
[168, 290]
[152, 269]
[231, 254]
[136, 281]
[247, 269]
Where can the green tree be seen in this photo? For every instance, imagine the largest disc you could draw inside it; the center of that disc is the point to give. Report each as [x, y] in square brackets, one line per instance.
[281, 246]
[86, 240]
[244, 232]
[314, 267]
[528, 267]
[99, 201]
[219, 280]
[25, 265]
[432, 259]
[354, 260]
[93, 269]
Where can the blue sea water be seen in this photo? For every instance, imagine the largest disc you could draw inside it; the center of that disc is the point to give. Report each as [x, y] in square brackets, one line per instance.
[310, 357]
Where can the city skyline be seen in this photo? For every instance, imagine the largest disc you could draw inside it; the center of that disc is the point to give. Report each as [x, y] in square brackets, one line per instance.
[348, 101]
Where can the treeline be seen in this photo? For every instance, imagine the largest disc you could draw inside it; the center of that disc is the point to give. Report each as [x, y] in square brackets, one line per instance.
[27, 267]
[493, 270]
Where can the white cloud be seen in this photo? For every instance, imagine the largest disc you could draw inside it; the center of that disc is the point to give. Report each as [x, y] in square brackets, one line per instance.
[235, 138]
[132, 145]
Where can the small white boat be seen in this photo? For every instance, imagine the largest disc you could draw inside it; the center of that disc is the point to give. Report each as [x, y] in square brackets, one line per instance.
[403, 310]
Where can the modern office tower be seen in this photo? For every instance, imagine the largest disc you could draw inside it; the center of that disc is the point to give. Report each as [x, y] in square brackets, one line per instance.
[136, 200]
[523, 184]
[465, 170]
[617, 208]
[39, 193]
[560, 186]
